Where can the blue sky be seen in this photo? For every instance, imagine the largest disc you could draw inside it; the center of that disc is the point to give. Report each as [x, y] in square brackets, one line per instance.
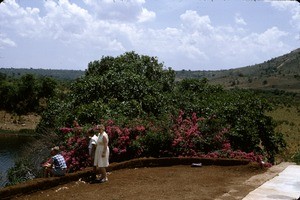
[182, 34]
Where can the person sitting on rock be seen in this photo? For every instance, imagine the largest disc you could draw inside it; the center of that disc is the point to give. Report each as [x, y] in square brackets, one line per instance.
[56, 165]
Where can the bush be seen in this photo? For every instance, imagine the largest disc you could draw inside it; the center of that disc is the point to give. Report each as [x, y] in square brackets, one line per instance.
[296, 157]
[187, 137]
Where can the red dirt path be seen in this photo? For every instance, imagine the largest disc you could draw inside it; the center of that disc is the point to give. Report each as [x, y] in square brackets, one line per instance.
[174, 183]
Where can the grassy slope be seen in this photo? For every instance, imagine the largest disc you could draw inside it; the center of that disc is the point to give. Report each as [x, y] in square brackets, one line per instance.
[288, 119]
[281, 73]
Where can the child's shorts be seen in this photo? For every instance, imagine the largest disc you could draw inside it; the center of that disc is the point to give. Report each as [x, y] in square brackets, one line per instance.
[58, 172]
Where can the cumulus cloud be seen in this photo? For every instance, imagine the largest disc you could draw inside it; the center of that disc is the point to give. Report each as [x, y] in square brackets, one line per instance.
[24, 21]
[146, 15]
[7, 9]
[120, 10]
[258, 46]
[112, 27]
[291, 6]
[296, 17]
[239, 20]
[6, 42]
[268, 38]
[192, 21]
[201, 42]
[63, 21]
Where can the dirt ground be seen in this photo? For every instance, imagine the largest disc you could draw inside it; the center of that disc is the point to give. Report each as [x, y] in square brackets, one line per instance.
[16, 123]
[174, 183]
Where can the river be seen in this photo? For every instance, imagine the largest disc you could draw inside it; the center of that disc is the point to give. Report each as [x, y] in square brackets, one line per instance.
[10, 149]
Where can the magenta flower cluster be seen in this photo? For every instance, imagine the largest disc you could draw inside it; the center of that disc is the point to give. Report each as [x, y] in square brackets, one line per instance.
[75, 148]
[189, 137]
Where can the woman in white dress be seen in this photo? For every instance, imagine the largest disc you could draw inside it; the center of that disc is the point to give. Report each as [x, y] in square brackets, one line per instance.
[102, 153]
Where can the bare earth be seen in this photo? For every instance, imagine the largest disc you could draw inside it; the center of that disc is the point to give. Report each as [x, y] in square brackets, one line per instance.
[174, 183]
[15, 123]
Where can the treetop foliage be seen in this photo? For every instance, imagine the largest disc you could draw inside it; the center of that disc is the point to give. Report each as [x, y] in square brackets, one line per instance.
[129, 82]
[24, 94]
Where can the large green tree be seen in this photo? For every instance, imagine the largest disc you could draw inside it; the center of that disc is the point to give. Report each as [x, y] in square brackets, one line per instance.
[129, 85]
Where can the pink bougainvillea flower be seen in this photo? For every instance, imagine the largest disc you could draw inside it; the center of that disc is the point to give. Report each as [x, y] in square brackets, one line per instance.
[140, 128]
[115, 150]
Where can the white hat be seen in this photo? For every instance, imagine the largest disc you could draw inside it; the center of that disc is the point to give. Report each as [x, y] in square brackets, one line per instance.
[56, 148]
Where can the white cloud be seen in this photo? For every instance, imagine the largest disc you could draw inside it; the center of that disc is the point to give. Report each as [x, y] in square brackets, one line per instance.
[146, 15]
[282, 5]
[291, 6]
[257, 46]
[120, 10]
[270, 39]
[64, 20]
[192, 40]
[6, 42]
[158, 40]
[239, 20]
[296, 17]
[203, 42]
[7, 9]
[198, 43]
[18, 20]
[192, 21]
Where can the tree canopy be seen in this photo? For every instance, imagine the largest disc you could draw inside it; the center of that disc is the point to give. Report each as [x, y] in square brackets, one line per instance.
[132, 86]
[23, 95]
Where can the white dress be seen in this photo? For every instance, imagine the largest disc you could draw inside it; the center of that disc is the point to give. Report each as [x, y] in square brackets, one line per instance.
[100, 161]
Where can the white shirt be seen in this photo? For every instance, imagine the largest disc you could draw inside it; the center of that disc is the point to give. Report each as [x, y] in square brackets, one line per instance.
[93, 141]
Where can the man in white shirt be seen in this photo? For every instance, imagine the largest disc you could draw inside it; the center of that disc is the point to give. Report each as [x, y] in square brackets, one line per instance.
[92, 146]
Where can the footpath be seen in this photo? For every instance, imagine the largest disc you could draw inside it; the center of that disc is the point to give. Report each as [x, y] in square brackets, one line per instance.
[286, 185]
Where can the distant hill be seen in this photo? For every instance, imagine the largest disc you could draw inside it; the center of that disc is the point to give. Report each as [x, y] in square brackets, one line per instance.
[281, 73]
[66, 75]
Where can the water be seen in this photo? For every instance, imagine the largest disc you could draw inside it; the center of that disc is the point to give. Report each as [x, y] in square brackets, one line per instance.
[10, 149]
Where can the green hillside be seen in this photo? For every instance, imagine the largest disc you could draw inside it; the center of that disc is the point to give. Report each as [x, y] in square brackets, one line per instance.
[58, 74]
[281, 73]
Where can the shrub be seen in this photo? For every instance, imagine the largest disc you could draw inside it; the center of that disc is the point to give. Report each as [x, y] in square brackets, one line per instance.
[296, 157]
[187, 137]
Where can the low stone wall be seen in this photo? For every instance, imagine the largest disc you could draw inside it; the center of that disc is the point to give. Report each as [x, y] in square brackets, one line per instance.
[46, 183]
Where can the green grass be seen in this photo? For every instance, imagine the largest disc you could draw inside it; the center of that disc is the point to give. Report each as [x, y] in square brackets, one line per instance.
[288, 119]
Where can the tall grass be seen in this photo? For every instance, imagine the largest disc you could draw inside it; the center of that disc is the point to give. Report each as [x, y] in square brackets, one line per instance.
[288, 119]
